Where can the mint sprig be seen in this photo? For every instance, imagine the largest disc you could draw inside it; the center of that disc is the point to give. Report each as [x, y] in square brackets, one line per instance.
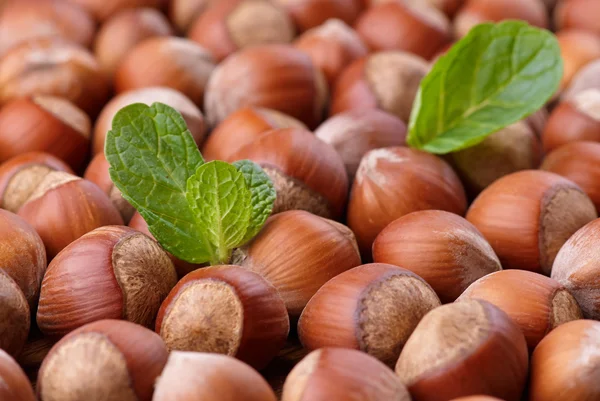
[495, 76]
[197, 211]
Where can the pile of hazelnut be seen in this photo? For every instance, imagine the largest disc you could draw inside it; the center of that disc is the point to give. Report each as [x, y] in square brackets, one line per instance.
[385, 273]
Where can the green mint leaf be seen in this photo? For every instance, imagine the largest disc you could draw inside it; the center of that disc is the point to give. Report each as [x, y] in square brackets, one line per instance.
[152, 154]
[220, 199]
[262, 198]
[495, 76]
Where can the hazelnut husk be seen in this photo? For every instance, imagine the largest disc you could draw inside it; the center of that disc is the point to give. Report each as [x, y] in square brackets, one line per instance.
[15, 385]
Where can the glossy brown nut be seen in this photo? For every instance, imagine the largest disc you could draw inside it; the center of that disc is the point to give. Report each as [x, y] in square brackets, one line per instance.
[23, 20]
[415, 28]
[223, 379]
[576, 119]
[56, 68]
[183, 13]
[104, 360]
[578, 48]
[527, 217]
[512, 149]
[579, 14]
[473, 340]
[392, 182]
[308, 174]
[230, 25]
[16, 386]
[45, 124]
[478, 11]
[97, 172]
[21, 175]
[311, 13]
[563, 364]
[331, 47]
[104, 9]
[443, 248]
[576, 267]
[342, 375]
[241, 128]
[226, 310]
[449, 7]
[22, 255]
[384, 80]
[171, 62]
[349, 311]
[122, 32]
[64, 207]
[278, 77]
[298, 252]
[356, 132]
[113, 272]
[536, 303]
[14, 316]
[190, 112]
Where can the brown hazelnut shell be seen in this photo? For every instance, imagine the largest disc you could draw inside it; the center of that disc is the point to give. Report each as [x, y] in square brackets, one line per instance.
[14, 316]
[579, 14]
[528, 216]
[183, 13]
[16, 386]
[349, 311]
[311, 13]
[226, 310]
[107, 359]
[577, 47]
[104, 9]
[586, 78]
[298, 252]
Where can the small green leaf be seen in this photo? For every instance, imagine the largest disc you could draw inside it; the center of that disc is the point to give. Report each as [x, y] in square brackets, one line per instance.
[495, 76]
[220, 199]
[262, 198]
[152, 154]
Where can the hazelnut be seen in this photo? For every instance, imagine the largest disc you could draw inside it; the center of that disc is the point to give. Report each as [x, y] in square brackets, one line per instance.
[405, 180]
[14, 316]
[298, 252]
[97, 172]
[564, 364]
[274, 76]
[311, 13]
[190, 112]
[507, 151]
[63, 207]
[331, 47]
[577, 48]
[579, 14]
[412, 27]
[580, 163]
[21, 175]
[122, 32]
[308, 174]
[15, 385]
[537, 121]
[22, 255]
[355, 132]
[23, 20]
[342, 375]
[527, 216]
[536, 303]
[241, 128]
[104, 360]
[231, 25]
[53, 67]
[577, 268]
[384, 80]
[182, 267]
[586, 78]
[166, 61]
[226, 310]
[443, 248]
[113, 272]
[104, 9]
[373, 308]
[575, 119]
[183, 13]
[203, 376]
[46, 124]
[449, 7]
[471, 340]
[478, 11]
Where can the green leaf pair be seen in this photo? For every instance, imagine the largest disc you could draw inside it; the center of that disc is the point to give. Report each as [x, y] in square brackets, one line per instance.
[197, 211]
[495, 76]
